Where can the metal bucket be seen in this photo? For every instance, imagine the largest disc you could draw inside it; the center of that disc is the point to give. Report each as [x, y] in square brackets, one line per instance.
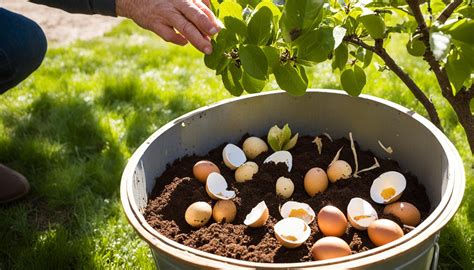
[418, 147]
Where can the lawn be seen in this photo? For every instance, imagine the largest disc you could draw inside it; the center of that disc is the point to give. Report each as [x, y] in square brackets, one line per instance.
[72, 125]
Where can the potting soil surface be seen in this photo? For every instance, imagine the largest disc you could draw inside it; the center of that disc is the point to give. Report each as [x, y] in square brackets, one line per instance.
[176, 189]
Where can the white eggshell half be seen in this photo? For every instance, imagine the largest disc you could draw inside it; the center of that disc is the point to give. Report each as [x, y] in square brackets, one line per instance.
[292, 232]
[361, 213]
[216, 187]
[256, 214]
[233, 156]
[299, 210]
[281, 157]
[386, 180]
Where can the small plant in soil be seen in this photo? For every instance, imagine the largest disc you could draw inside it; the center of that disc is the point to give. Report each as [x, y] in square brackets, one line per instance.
[225, 193]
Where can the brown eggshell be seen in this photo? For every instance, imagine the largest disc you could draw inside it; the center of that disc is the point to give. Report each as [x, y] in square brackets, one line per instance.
[198, 214]
[330, 247]
[203, 168]
[384, 231]
[338, 170]
[406, 212]
[224, 210]
[331, 221]
[315, 181]
[261, 220]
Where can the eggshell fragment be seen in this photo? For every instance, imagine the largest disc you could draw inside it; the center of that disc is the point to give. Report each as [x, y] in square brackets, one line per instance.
[246, 171]
[406, 212]
[258, 216]
[384, 231]
[338, 170]
[198, 214]
[388, 187]
[298, 210]
[224, 211]
[330, 247]
[254, 146]
[284, 187]
[281, 157]
[292, 232]
[203, 168]
[361, 213]
[233, 156]
[331, 221]
[216, 187]
[315, 181]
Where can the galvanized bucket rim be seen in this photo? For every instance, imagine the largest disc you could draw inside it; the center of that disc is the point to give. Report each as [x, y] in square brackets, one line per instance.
[437, 219]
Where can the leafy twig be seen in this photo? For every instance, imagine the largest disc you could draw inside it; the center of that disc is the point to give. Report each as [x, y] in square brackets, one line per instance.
[412, 86]
[448, 10]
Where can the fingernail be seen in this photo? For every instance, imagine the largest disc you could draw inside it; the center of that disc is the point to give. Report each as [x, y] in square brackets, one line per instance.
[220, 24]
[208, 50]
[213, 30]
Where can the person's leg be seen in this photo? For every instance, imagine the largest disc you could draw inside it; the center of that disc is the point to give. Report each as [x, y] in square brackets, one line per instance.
[22, 48]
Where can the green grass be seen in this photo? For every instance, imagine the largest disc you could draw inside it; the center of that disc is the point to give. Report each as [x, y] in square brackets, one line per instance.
[71, 126]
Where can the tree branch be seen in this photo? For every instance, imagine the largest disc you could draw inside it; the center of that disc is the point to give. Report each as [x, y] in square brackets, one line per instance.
[448, 10]
[412, 86]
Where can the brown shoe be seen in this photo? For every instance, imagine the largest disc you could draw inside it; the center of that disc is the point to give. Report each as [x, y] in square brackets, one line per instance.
[13, 185]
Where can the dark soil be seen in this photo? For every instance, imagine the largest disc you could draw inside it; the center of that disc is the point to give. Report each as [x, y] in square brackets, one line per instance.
[176, 189]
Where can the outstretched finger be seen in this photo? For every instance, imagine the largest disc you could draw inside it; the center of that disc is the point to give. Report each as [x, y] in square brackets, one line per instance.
[167, 33]
[199, 18]
[206, 9]
[191, 33]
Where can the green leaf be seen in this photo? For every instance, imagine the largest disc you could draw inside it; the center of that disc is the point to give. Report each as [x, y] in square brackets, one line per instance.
[214, 6]
[367, 58]
[299, 16]
[315, 45]
[273, 56]
[466, 11]
[212, 60]
[338, 34]
[260, 26]
[374, 25]
[253, 61]
[269, 4]
[231, 79]
[274, 138]
[462, 30]
[236, 26]
[472, 105]
[291, 79]
[291, 143]
[230, 8]
[353, 80]
[341, 55]
[252, 3]
[252, 85]
[440, 44]
[416, 47]
[458, 71]
[286, 134]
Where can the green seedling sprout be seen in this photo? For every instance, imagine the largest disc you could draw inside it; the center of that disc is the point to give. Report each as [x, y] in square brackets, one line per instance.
[281, 139]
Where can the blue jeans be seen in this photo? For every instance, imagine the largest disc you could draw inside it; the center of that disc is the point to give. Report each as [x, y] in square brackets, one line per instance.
[22, 48]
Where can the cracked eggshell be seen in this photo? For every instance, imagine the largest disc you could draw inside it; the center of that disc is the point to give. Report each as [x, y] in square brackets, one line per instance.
[331, 221]
[338, 170]
[384, 231]
[298, 210]
[203, 168]
[216, 187]
[281, 157]
[258, 216]
[254, 146]
[330, 247]
[361, 213]
[198, 214]
[233, 156]
[388, 187]
[292, 232]
[224, 211]
[246, 171]
[284, 187]
[406, 212]
[315, 181]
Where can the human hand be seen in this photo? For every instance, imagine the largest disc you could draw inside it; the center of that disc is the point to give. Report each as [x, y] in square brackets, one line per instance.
[176, 21]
